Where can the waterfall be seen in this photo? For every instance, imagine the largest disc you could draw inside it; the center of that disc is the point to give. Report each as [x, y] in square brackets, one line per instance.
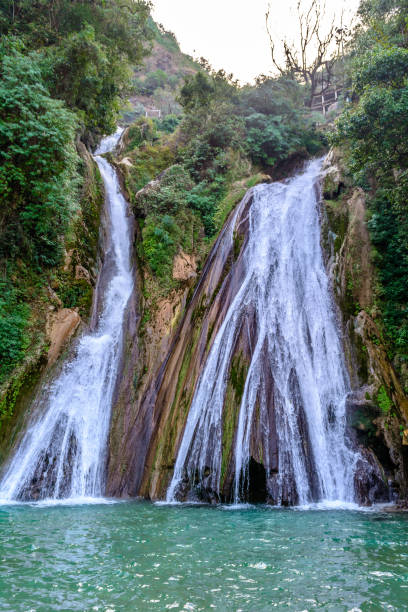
[286, 291]
[63, 452]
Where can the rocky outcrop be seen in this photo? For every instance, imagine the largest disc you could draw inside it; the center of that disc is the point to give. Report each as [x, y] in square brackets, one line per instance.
[378, 407]
[60, 328]
[168, 350]
[148, 424]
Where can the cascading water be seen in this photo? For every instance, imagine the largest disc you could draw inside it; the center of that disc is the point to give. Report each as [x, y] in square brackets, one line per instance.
[63, 452]
[286, 290]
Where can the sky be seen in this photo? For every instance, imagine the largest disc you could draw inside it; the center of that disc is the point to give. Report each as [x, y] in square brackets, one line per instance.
[231, 34]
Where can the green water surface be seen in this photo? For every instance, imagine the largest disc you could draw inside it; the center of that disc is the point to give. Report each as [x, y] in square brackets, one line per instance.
[140, 556]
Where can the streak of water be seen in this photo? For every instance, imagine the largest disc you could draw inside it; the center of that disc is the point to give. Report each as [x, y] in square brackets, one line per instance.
[63, 452]
[297, 340]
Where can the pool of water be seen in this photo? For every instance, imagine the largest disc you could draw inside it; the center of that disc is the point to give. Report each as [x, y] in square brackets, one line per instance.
[140, 556]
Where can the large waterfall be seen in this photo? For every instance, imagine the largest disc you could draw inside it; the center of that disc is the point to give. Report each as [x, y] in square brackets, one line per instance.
[296, 371]
[63, 452]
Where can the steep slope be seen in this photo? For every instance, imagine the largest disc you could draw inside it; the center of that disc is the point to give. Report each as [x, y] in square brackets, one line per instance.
[158, 82]
[378, 409]
[151, 415]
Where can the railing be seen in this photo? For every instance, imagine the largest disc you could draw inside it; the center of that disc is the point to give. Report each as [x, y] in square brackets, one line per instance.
[322, 102]
[153, 112]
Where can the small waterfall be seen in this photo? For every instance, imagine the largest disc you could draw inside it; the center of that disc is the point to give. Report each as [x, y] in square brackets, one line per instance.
[297, 346]
[63, 452]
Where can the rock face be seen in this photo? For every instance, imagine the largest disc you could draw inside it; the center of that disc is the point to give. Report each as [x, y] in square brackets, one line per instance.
[149, 418]
[60, 328]
[167, 354]
[378, 408]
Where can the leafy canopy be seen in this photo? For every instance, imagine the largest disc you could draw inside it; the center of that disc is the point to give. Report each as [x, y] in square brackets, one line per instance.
[37, 163]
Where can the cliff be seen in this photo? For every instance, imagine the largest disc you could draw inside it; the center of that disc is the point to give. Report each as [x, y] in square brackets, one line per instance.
[378, 408]
[167, 350]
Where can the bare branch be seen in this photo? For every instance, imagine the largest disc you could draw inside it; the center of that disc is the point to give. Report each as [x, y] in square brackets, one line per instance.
[312, 59]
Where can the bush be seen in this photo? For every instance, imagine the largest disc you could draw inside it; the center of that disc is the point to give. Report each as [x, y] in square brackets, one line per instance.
[169, 195]
[14, 316]
[160, 236]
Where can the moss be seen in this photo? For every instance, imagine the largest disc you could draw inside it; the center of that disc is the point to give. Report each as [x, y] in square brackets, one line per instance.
[199, 311]
[83, 244]
[232, 403]
[147, 163]
[338, 221]
[228, 203]
[238, 375]
[255, 179]
[238, 241]
[361, 357]
[146, 318]
[229, 425]
[85, 232]
[74, 293]
[331, 188]
[209, 334]
[81, 241]
[164, 456]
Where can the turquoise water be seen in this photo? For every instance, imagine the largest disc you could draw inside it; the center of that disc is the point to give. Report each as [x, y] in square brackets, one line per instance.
[140, 556]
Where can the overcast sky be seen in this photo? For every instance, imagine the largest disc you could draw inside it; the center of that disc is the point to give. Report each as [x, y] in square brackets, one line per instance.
[231, 34]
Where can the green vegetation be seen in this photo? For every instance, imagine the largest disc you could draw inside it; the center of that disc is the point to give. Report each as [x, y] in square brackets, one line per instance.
[157, 84]
[86, 50]
[374, 131]
[13, 324]
[37, 164]
[383, 401]
[228, 136]
[65, 68]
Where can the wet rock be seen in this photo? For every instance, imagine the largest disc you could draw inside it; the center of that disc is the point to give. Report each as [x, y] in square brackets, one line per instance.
[370, 484]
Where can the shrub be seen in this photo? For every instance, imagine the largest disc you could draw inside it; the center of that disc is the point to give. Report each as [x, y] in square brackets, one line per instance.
[14, 315]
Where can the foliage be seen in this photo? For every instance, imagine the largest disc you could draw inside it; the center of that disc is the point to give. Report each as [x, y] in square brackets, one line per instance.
[375, 132]
[142, 131]
[168, 196]
[14, 314]
[37, 164]
[151, 81]
[168, 124]
[64, 71]
[383, 401]
[147, 162]
[204, 197]
[160, 235]
[86, 49]
[224, 127]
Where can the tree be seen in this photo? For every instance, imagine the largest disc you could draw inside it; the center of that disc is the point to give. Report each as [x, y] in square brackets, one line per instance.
[312, 58]
[86, 47]
[37, 164]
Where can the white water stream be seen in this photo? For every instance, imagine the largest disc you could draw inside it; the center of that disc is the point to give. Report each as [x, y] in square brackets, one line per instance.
[63, 452]
[287, 286]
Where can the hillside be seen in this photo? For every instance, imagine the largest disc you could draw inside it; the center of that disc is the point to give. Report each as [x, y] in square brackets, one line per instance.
[158, 81]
